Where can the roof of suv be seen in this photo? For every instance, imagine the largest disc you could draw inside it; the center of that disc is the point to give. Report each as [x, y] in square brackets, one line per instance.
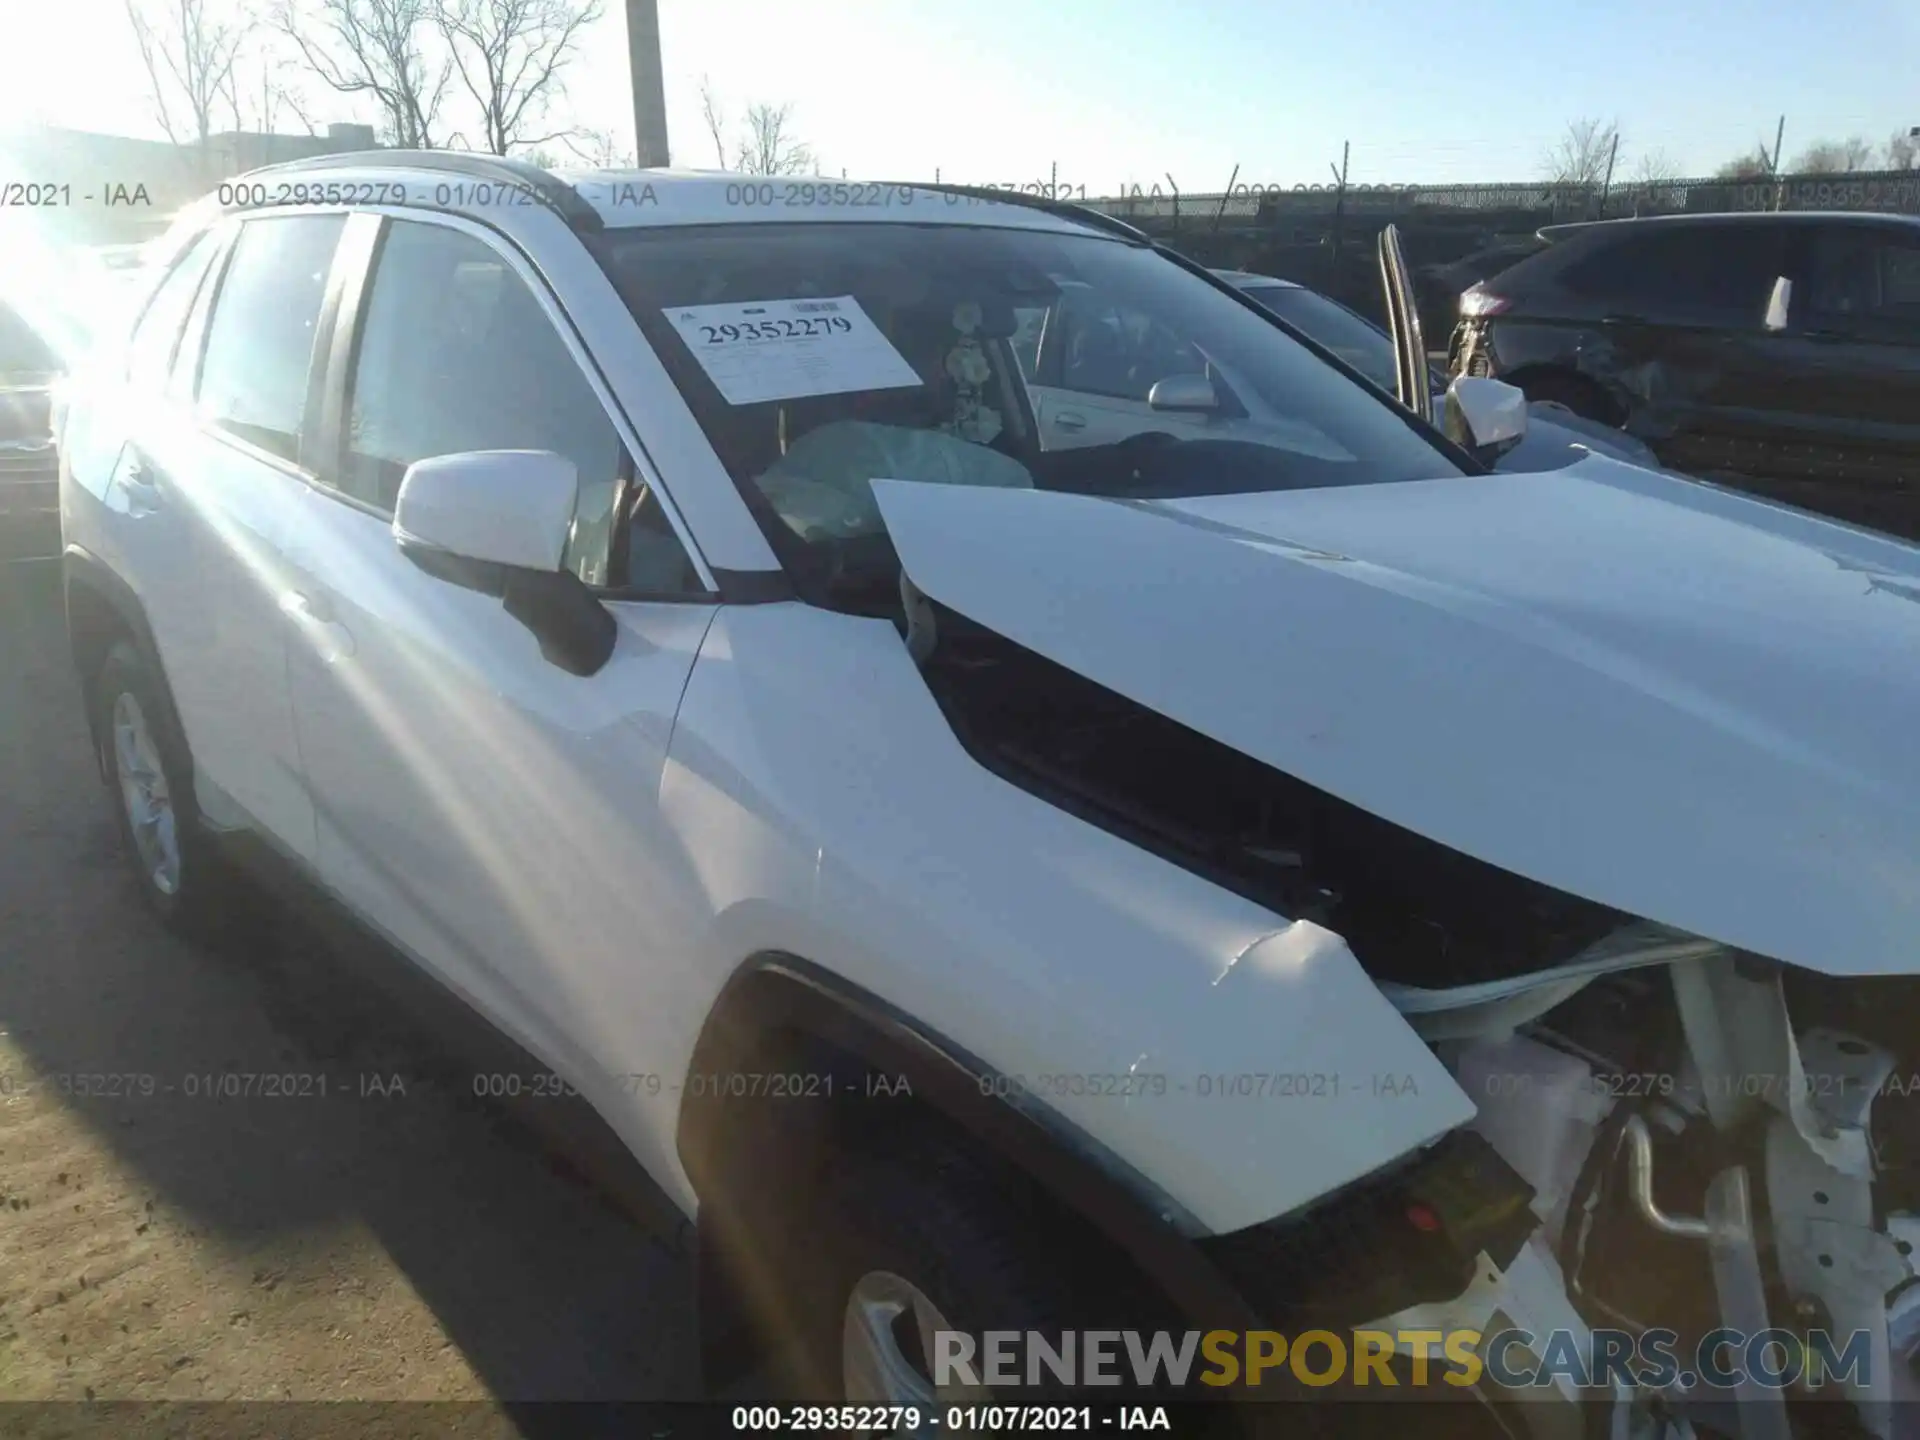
[492, 186]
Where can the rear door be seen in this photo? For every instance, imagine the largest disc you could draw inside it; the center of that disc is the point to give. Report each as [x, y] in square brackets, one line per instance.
[239, 480]
[1682, 334]
[1851, 364]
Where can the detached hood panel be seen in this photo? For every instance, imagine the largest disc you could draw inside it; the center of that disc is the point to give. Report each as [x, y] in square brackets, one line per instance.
[1690, 706]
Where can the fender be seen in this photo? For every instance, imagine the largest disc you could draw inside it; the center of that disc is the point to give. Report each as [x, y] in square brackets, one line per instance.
[782, 992]
[95, 593]
[1585, 352]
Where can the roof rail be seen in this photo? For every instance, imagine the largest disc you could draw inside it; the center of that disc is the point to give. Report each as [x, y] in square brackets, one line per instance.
[1065, 209]
[1554, 233]
[548, 189]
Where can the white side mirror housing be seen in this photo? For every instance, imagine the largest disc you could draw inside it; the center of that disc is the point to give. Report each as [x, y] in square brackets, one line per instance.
[1488, 417]
[1779, 304]
[500, 507]
[1191, 393]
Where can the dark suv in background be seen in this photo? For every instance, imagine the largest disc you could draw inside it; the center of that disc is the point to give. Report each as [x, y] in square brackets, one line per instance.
[1777, 352]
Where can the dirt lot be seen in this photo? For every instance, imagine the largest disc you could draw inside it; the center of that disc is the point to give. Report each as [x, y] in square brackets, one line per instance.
[392, 1240]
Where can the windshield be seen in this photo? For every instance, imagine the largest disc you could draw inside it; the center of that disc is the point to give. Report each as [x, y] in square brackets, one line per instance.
[1354, 340]
[818, 357]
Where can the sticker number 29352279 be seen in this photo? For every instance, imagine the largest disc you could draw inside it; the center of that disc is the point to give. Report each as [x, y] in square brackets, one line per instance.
[762, 350]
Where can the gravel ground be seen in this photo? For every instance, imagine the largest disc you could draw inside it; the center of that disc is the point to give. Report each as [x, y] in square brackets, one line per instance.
[394, 1240]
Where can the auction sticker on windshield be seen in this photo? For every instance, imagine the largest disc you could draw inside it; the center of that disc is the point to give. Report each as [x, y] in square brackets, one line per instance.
[784, 349]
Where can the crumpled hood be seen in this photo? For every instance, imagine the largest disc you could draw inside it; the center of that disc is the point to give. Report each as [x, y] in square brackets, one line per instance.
[1691, 706]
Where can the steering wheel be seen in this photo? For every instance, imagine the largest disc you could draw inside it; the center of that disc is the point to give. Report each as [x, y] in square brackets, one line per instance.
[1139, 448]
[1145, 442]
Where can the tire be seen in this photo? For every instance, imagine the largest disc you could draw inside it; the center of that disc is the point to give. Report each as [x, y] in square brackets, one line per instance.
[935, 1235]
[148, 771]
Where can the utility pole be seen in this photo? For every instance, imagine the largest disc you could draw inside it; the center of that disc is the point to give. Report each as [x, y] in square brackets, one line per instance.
[1333, 281]
[649, 89]
[1779, 139]
[1606, 185]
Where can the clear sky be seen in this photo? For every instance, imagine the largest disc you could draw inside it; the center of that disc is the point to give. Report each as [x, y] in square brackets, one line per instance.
[1119, 91]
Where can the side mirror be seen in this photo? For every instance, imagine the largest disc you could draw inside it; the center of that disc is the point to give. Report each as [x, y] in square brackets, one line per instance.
[1488, 417]
[1779, 303]
[1191, 393]
[497, 507]
[497, 521]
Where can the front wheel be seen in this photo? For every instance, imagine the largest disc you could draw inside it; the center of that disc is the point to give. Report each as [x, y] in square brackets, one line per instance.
[919, 1251]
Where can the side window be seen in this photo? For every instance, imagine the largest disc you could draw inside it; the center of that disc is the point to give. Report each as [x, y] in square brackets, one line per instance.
[253, 374]
[1865, 283]
[1116, 351]
[150, 351]
[1029, 326]
[1715, 275]
[456, 353]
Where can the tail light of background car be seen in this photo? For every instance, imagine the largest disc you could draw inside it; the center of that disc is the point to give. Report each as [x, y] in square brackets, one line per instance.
[1478, 304]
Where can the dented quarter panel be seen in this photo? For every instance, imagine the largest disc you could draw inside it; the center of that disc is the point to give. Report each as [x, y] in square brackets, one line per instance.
[1690, 706]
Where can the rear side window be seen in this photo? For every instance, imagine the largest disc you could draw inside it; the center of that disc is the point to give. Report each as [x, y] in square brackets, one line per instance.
[253, 376]
[150, 353]
[1865, 282]
[1704, 274]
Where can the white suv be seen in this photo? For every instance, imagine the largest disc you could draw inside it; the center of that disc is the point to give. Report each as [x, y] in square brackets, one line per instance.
[993, 885]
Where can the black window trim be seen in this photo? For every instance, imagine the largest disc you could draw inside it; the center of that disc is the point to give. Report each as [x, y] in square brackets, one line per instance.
[216, 261]
[200, 326]
[350, 293]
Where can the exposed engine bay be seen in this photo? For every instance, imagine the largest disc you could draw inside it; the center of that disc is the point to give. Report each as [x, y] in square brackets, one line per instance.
[1711, 1139]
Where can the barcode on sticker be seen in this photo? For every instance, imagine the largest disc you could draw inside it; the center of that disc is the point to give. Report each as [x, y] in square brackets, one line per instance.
[815, 307]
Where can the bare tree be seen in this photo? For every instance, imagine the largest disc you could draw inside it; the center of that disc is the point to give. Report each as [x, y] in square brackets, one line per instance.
[376, 48]
[716, 117]
[1583, 153]
[1833, 157]
[189, 57]
[769, 147]
[1655, 168]
[510, 56]
[1903, 150]
[261, 86]
[1755, 164]
[599, 149]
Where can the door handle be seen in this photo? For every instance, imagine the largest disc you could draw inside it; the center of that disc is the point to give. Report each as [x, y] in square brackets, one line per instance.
[314, 616]
[1069, 420]
[142, 487]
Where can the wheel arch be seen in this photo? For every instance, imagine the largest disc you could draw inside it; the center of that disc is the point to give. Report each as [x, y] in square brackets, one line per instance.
[102, 608]
[775, 1000]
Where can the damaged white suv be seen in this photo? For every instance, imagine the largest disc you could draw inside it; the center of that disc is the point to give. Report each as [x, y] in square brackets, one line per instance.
[1000, 858]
